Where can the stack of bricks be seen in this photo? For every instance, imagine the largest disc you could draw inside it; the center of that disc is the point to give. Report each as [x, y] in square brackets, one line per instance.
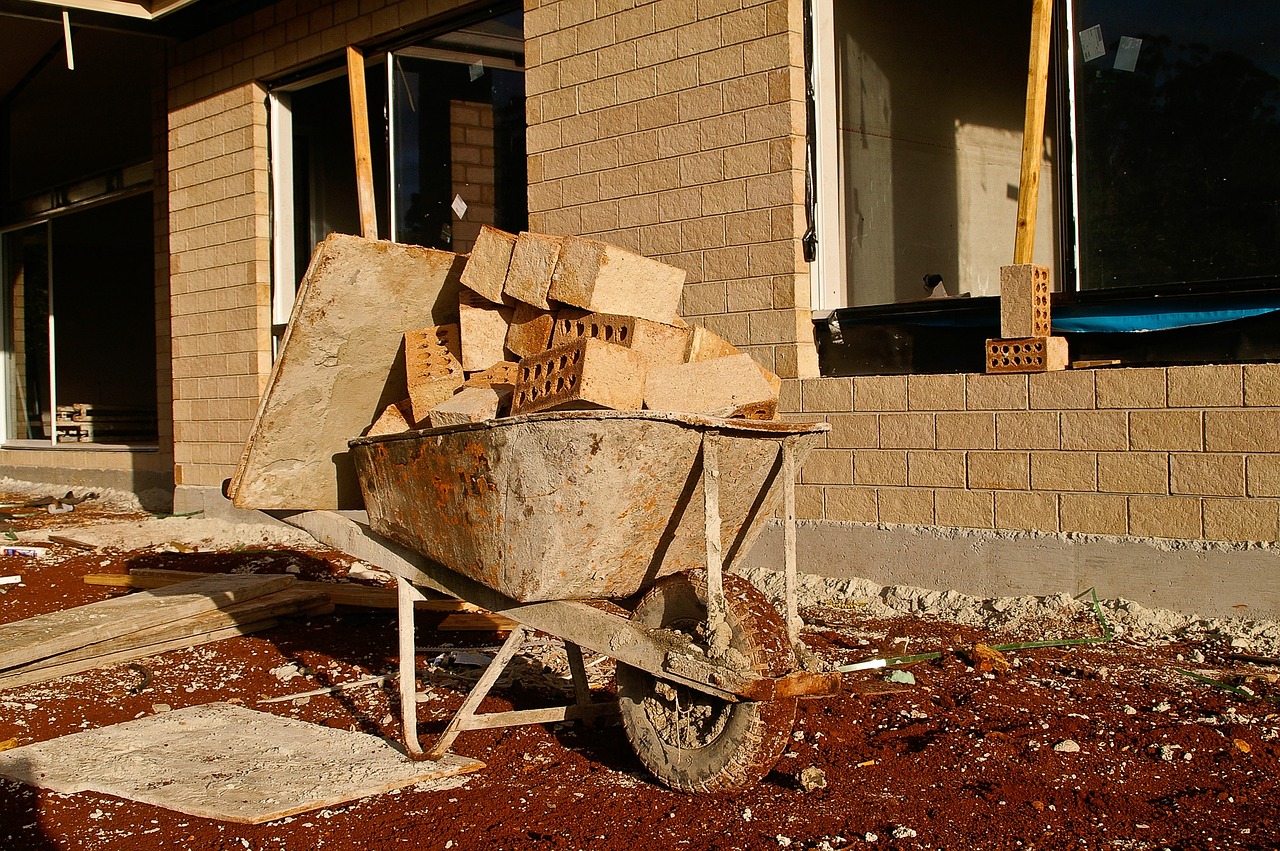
[1025, 344]
[564, 323]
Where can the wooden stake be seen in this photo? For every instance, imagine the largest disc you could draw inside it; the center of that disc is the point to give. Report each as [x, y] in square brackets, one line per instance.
[1033, 130]
[360, 134]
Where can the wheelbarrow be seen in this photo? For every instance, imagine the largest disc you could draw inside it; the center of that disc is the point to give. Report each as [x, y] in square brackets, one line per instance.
[612, 531]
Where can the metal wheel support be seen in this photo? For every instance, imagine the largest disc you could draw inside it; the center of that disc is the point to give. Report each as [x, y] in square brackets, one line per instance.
[789, 537]
[406, 594]
[478, 692]
[716, 606]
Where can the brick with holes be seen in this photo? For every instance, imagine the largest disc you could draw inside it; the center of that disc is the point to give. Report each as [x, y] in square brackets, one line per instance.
[733, 386]
[1024, 301]
[583, 375]
[433, 367]
[604, 278]
[486, 269]
[532, 263]
[656, 342]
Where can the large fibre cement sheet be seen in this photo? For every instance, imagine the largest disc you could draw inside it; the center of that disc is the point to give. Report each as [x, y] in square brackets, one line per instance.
[225, 762]
[340, 363]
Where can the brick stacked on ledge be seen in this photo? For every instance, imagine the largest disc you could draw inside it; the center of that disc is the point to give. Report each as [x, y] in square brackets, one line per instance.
[563, 323]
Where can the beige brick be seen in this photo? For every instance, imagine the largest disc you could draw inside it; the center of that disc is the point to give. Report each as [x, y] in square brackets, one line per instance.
[850, 504]
[789, 397]
[471, 405]
[604, 278]
[486, 268]
[483, 329]
[433, 367]
[999, 470]
[584, 374]
[1024, 301]
[879, 467]
[732, 386]
[908, 506]
[394, 419]
[965, 430]
[1262, 384]
[1026, 510]
[1027, 430]
[1130, 387]
[964, 508]
[826, 394]
[1262, 475]
[854, 431]
[1064, 471]
[935, 469]
[1170, 431]
[828, 467]
[658, 344]
[935, 392]
[1250, 430]
[1095, 430]
[995, 392]
[533, 259]
[1133, 472]
[880, 393]
[1217, 386]
[1206, 474]
[1093, 514]
[1241, 519]
[1062, 390]
[1165, 517]
[907, 431]
[530, 330]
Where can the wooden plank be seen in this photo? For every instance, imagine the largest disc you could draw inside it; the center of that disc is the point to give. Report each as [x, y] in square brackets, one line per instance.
[56, 632]
[360, 136]
[476, 622]
[1033, 130]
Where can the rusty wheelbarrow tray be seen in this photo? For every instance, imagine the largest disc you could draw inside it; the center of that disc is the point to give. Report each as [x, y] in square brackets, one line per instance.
[554, 519]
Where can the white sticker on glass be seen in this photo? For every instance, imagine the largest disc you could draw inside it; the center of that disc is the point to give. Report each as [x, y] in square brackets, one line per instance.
[1127, 53]
[1091, 44]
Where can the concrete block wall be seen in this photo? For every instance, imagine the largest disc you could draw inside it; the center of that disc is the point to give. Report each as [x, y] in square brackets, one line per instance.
[675, 128]
[1180, 452]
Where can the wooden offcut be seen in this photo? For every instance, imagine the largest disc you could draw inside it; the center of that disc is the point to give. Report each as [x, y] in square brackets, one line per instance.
[532, 263]
[585, 374]
[604, 278]
[486, 269]
[1033, 130]
[360, 139]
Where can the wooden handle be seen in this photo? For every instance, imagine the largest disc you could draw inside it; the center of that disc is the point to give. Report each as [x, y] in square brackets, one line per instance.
[1033, 130]
[360, 135]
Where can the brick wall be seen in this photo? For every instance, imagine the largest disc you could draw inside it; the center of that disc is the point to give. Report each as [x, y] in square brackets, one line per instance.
[471, 164]
[675, 128]
[1179, 452]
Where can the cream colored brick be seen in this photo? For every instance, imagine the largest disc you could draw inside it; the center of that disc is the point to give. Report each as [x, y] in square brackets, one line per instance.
[1093, 514]
[1130, 387]
[1241, 519]
[1217, 386]
[880, 393]
[850, 504]
[1262, 475]
[1262, 384]
[935, 392]
[789, 399]
[1095, 430]
[1250, 430]
[964, 508]
[908, 506]
[1170, 431]
[995, 392]
[967, 430]
[1133, 472]
[1066, 389]
[1166, 516]
[826, 394]
[879, 467]
[1064, 471]
[828, 467]
[935, 469]
[1027, 430]
[854, 431]
[1026, 510]
[1206, 474]
[999, 470]
[808, 503]
[907, 431]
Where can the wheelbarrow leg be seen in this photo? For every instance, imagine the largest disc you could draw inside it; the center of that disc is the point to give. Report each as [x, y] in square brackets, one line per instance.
[717, 610]
[406, 594]
[578, 670]
[478, 692]
[789, 537]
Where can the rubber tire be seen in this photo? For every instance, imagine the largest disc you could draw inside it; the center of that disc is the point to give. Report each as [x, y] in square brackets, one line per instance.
[754, 733]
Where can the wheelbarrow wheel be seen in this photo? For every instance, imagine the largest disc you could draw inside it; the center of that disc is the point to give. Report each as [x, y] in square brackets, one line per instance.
[690, 740]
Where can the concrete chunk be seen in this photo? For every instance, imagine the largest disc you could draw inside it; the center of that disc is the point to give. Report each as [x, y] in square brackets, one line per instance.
[656, 342]
[530, 330]
[726, 387]
[585, 374]
[471, 405]
[483, 327]
[532, 263]
[604, 278]
[486, 268]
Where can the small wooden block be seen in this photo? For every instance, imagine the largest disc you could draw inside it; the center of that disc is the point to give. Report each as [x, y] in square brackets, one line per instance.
[733, 386]
[486, 269]
[586, 374]
[604, 278]
[484, 326]
[655, 342]
[394, 419]
[532, 263]
[1024, 301]
[471, 405]
[530, 330]
[1027, 354]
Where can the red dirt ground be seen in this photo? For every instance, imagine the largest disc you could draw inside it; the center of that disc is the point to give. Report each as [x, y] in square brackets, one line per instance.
[963, 759]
